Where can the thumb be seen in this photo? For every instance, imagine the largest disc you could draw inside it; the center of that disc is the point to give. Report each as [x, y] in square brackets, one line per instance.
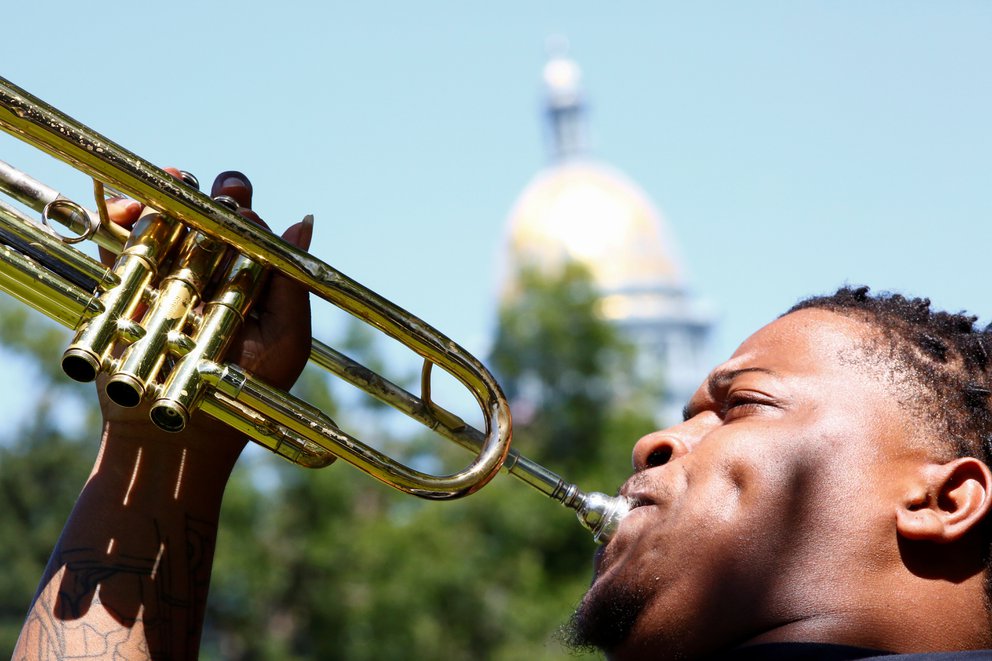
[301, 233]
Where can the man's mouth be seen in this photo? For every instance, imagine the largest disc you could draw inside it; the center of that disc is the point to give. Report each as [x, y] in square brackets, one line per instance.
[637, 494]
[638, 500]
[635, 490]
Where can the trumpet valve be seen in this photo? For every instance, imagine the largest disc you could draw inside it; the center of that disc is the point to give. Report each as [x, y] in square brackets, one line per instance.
[186, 384]
[180, 291]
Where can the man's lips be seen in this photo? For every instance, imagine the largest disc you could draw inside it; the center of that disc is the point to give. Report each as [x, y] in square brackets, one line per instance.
[650, 496]
[639, 500]
[636, 499]
[635, 490]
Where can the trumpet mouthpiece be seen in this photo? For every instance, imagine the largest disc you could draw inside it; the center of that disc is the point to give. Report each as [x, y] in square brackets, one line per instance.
[602, 514]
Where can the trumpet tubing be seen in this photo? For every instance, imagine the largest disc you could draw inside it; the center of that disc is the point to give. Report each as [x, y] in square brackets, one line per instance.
[172, 330]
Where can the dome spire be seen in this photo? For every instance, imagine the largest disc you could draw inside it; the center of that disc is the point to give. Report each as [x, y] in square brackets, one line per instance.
[564, 102]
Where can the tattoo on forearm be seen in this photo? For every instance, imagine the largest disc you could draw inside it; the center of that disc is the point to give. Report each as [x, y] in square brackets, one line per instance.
[148, 604]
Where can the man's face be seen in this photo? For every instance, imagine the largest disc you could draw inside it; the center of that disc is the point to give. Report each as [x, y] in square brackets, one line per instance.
[752, 513]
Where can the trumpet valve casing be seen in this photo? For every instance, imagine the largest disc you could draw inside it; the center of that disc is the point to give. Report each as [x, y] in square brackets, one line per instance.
[186, 384]
[151, 239]
[178, 294]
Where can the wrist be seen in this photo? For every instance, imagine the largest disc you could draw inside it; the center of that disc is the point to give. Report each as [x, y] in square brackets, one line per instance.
[205, 440]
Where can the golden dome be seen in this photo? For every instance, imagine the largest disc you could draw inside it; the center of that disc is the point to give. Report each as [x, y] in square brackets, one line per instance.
[591, 213]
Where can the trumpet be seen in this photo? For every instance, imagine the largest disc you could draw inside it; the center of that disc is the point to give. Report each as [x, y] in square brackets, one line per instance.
[150, 302]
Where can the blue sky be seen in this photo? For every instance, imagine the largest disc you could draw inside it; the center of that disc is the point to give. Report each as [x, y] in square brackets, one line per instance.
[792, 146]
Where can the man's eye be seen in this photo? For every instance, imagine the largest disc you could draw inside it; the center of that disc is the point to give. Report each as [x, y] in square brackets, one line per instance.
[738, 404]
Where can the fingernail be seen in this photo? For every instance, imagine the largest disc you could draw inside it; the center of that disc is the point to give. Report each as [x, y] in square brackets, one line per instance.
[307, 233]
[231, 179]
[237, 180]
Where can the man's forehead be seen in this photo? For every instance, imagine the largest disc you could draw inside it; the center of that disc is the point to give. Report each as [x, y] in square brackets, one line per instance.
[803, 336]
[805, 342]
[816, 346]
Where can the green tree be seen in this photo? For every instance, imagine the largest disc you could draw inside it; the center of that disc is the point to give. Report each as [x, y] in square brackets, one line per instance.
[570, 374]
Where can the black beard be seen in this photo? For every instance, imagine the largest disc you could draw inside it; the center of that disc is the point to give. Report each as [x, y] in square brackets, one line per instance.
[604, 619]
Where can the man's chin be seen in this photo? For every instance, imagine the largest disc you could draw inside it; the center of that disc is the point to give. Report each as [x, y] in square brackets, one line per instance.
[604, 618]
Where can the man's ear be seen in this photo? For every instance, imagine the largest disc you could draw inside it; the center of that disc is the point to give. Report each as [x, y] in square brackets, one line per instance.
[950, 500]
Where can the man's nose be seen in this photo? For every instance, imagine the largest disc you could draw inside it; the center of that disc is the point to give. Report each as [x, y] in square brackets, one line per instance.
[658, 448]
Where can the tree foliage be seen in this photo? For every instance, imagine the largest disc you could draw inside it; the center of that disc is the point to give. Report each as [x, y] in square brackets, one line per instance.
[43, 463]
[568, 372]
[331, 564]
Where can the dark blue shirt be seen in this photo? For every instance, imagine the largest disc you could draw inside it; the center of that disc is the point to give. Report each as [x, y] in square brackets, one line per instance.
[828, 652]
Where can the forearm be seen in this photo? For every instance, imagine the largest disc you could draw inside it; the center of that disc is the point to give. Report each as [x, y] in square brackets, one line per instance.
[129, 575]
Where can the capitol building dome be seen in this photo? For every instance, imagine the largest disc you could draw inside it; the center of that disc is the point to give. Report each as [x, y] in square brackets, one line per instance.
[583, 211]
[579, 209]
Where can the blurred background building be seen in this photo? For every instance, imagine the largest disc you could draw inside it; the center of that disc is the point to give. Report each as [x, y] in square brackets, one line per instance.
[578, 208]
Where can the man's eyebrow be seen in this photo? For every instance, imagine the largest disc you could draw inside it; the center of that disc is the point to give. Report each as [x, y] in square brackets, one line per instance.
[720, 380]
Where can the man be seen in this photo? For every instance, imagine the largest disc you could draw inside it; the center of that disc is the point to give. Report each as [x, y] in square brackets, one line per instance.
[829, 487]
[830, 484]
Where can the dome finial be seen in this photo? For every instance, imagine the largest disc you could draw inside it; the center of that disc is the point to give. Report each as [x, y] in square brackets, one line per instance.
[565, 105]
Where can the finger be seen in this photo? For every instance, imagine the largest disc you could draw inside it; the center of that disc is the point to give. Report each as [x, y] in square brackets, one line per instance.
[282, 288]
[235, 185]
[285, 295]
[283, 318]
[285, 298]
[253, 217]
[300, 234]
[123, 211]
